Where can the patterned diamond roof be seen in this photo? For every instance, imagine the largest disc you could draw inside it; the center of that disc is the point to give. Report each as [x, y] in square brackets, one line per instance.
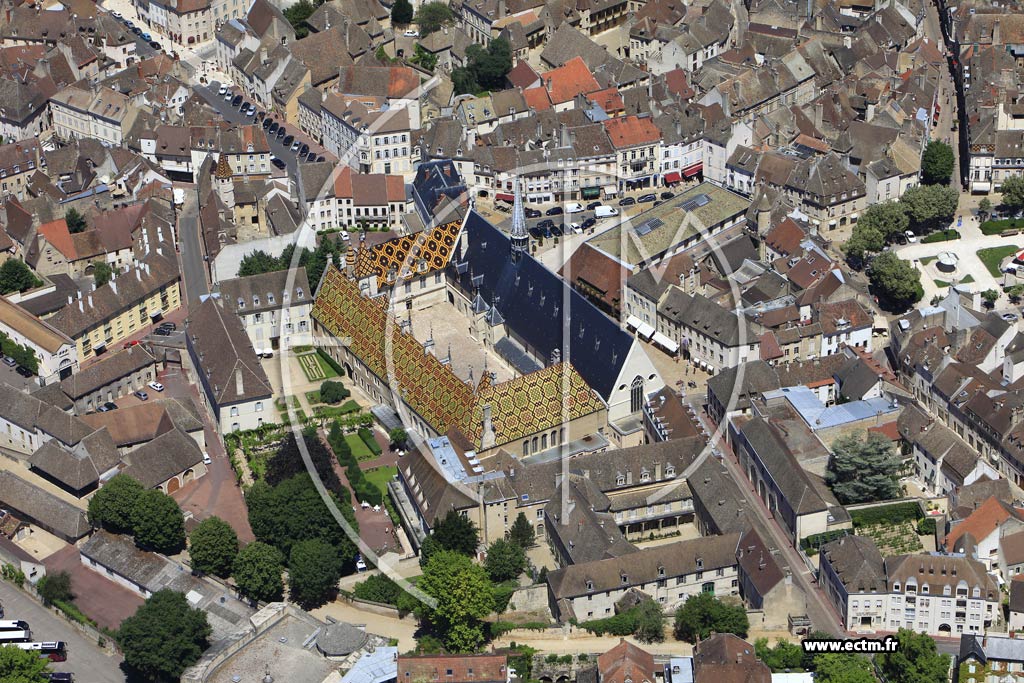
[422, 253]
[522, 406]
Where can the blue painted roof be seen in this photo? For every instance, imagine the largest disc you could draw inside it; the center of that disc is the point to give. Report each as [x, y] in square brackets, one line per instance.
[817, 416]
[534, 302]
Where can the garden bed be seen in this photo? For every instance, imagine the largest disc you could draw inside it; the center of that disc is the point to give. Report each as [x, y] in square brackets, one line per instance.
[894, 539]
[359, 448]
[994, 256]
[998, 227]
[380, 476]
[315, 368]
[941, 236]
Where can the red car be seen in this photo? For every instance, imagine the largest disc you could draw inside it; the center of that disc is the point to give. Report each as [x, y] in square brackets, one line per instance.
[129, 344]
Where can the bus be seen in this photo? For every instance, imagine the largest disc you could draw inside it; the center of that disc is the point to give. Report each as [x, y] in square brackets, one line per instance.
[55, 651]
[8, 637]
[14, 625]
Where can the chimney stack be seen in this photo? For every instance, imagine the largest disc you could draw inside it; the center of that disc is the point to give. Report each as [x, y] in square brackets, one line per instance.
[239, 384]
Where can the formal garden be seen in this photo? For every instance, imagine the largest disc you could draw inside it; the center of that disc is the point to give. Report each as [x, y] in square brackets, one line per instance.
[896, 528]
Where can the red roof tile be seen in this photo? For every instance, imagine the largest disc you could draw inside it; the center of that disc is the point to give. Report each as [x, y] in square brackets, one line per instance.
[569, 80]
[56, 233]
[630, 131]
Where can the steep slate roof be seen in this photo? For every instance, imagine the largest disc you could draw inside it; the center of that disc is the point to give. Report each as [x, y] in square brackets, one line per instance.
[167, 455]
[264, 285]
[792, 479]
[28, 500]
[857, 563]
[29, 413]
[217, 336]
[529, 298]
[106, 370]
[521, 406]
[78, 466]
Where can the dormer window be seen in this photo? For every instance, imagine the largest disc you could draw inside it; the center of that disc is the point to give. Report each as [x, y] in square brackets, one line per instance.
[241, 302]
[700, 563]
[624, 579]
[670, 471]
[255, 300]
[590, 585]
[620, 480]
[661, 571]
[270, 298]
[645, 475]
[298, 293]
[896, 586]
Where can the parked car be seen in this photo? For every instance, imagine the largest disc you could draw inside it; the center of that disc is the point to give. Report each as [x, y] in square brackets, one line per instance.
[251, 111]
[129, 344]
[223, 90]
[129, 23]
[627, 201]
[532, 213]
[589, 223]
[311, 157]
[281, 132]
[536, 233]
[237, 100]
[141, 395]
[162, 332]
[62, 677]
[556, 230]
[207, 460]
[155, 45]
[667, 195]
[911, 237]
[604, 211]
[278, 163]
[10, 362]
[116, 15]
[573, 207]
[593, 205]
[272, 127]
[156, 386]
[1010, 317]
[103, 409]
[546, 224]
[296, 145]
[288, 140]
[23, 371]
[169, 325]
[345, 236]
[110, 405]
[320, 157]
[266, 122]
[304, 150]
[136, 30]
[411, 33]
[576, 227]
[647, 198]
[554, 211]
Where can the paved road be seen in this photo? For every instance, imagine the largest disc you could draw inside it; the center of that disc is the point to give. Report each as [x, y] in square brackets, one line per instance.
[193, 267]
[87, 661]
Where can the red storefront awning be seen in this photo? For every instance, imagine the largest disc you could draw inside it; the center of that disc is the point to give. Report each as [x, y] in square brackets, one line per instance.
[672, 177]
[691, 171]
[501, 197]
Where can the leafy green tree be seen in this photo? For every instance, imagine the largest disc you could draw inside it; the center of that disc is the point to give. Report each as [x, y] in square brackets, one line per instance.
[915, 661]
[15, 276]
[213, 546]
[111, 507]
[257, 572]
[55, 587]
[930, 206]
[464, 597]
[505, 560]
[784, 656]
[485, 67]
[287, 462]
[1015, 293]
[296, 15]
[164, 637]
[863, 470]
[101, 273]
[896, 283]
[1013, 192]
[937, 163]
[984, 208]
[458, 533]
[333, 392]
[521, 532]
[157, 523]
[704, 614]
[398, 437]
[428, 60]
[401, 12]
[22, 666]
[843, 668]
[650, 622]
[76, 221]
[314, 568]
[864, 240]
[991, 296]
[432, 16]
[888, 218]
[259, 262]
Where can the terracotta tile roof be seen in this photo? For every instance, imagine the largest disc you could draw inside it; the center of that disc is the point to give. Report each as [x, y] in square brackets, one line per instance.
[486, 668]
[57, 234]
[626, 662]
[889, 430]
[630, 131]
[537, 98]
[522, 406]
[785, 238]
[569, 80]
[989, 516]
[769, 345]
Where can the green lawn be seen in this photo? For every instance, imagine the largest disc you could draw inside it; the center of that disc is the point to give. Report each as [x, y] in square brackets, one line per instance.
[967, 279]
[313, 397]
[359, 448]
[941, 236]
[315, 368]
[941, 283]
[380, 476]
[993, 257]
[927, 259]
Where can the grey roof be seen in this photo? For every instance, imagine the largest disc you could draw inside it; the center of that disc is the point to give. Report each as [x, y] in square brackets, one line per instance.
[700, 313]
[42, 507]
[240, 294]
[231, 370]
[793, 481]
[341, 639]
[120, 554]
[79, 466]
[857, 563]
[29, 413]
[167, 455]
[718, 499]
[108, 369]
[586, 531]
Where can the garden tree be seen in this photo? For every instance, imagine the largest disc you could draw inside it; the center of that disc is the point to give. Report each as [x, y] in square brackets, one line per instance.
[783, 657]
[521, 532]
[1013, 192]
[505, 560]
[111, 507]
[863, 470]
[314, 568]
[258, 262]
[457, 533]
[333, 392]
[15, 276]
[101, 272]
[915, 661]
[379, 588]
[485, 67]
[293, 511]
[22, 355]
[164, 637]
[991, 296]
[257, 572]
[1015, 293]
[22, 666]
[213, 546]
[843, 668]
[936, 163]
[930, 206]
[896, 283]
[704, 614]
[75, 220]
[984, 208]
[55, 587]
[398, 437]
[864, 240]
[650, 622]
[157, 523]
[287, 462]
[431, 16]
[428, 60]
[888, 218]
[297, 15]
[401, 12]
[464, 597]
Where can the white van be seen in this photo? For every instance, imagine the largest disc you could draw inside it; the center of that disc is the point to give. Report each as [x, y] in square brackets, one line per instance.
[573, 207]
[604, 211]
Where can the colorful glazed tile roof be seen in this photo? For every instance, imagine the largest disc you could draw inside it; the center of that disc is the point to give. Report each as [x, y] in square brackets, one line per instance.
[520, 407]
[422, 253]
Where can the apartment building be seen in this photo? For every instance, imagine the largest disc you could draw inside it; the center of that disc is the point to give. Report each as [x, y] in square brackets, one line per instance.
[368, 141]
[100, 112]
[271, 311]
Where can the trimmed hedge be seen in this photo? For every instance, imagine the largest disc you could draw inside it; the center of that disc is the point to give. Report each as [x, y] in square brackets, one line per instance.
[367, 436]
[887, 514]
[815, 541]
[926, 526]
[997, 227]
[621, 624]
[363, 489]
[333, 363]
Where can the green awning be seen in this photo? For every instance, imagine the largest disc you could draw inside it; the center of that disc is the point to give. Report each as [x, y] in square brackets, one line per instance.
[591, 192]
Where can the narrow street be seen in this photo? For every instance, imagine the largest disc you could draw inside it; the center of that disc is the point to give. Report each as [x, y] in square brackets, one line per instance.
[193, 269]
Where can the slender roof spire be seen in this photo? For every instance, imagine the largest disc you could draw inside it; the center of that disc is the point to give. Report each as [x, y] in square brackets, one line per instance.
[520, 238]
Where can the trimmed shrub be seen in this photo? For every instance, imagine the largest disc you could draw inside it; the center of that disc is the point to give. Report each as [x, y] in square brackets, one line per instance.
[887, 514]
[367, 436]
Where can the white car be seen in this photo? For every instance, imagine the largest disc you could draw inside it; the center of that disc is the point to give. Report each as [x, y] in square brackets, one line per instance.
[576, 228]
[344, 235]
[573, 207]
[411, 33]
[223, 90]
[206, 458]
[911, 237]
[156, 386]
[228, 96]
[251, 111]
